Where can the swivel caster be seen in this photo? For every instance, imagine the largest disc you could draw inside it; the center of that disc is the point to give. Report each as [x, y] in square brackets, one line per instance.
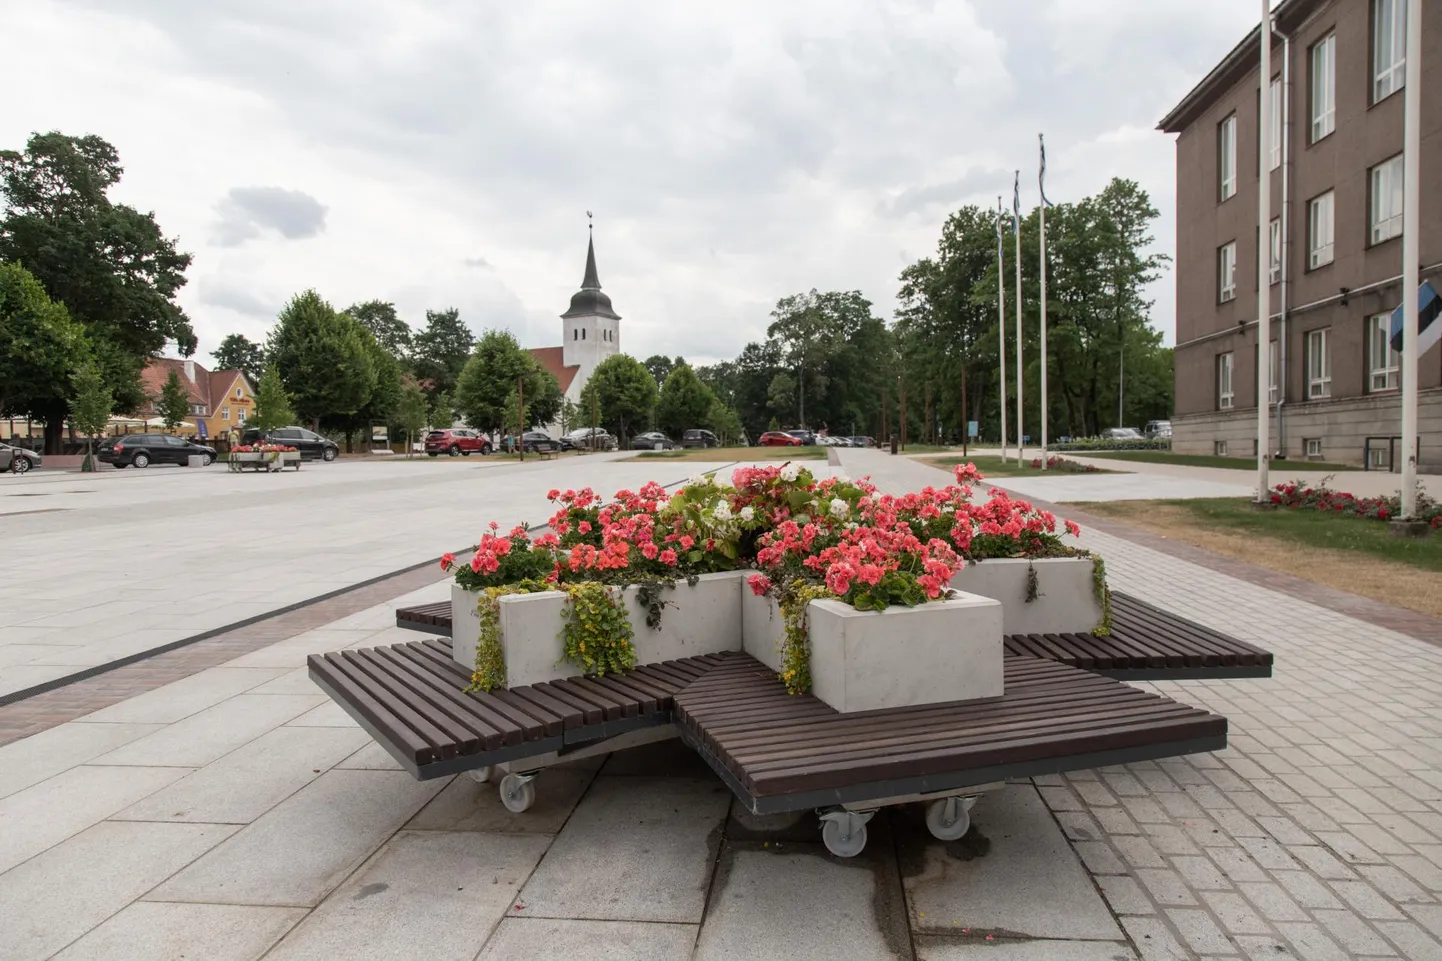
[479, 774]
[517, 792]
[949, 818]
[844, 832]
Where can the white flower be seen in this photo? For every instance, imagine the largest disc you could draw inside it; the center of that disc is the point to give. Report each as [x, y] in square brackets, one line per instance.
[722, 511]
[841, 478]
[697, 480]
[839, 508]
[748, 513]
[790, 472]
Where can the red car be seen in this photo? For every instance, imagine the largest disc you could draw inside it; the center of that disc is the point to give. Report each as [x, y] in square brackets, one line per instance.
[457, 441]
[776, 438]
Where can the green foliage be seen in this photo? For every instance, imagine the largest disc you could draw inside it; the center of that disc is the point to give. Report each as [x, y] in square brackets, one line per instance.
[325, 359]
[794, 598]
[439, 352]
[1103, 595]
[272, 405]
[597, 633]
[1113, 443]
[625, 393]
[484, 391]
[443, 409]
[660, 366]
[572, 416]
[385, 395]
[174, 401]
[685, 402]
[724, 422]
[236, 352]
[411, 413]
[90, 406]
[385, 325]
[39, 346]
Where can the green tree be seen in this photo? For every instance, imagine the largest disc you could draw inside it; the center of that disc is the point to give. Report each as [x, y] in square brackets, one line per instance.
[660, 367]
[443, 409]
[323, 358]
[724, 422]
[571, 416]
[380, 318]
[174, 401]
[272, 405]
[411, 413]
[90, 404]
[39, 347]
[111, 266]
[490, 375]
[625, 392]
[440, 350]
[685, 402]
[385, 395]
[236, 352]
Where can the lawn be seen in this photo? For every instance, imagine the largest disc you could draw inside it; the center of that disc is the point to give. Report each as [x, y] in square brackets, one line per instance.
[1341, 551]
[994, 466]
[1209, 460]
[729, 454]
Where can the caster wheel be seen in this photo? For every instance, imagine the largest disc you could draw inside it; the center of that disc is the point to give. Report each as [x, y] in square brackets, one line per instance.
[948, 818]
[844, 837]
[480, 774]
[516, 794]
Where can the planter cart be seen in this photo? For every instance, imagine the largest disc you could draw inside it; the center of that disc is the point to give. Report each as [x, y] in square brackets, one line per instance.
[262, 460]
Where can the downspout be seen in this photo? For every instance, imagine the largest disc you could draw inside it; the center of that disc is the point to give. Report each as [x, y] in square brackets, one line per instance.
[1286, 223]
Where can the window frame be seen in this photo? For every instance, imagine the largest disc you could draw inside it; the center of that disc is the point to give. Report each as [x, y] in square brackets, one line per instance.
[1389, 170]
[1227, 272]
[1322, 112]
[1274, 368]
[1391, 367]
[1394, 74]
[1319, 374]
[1274, 243]
[1311, 447]
[1227, 158]
[1274, 144]
[1315, 251]
[225, 414]
[1226, 380]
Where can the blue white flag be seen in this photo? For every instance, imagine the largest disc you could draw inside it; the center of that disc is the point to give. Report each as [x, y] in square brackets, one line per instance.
[1041, 174]
[1016, 203]
[1429, 327]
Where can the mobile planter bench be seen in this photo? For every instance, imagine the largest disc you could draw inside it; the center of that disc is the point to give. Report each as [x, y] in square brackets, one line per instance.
[794, 696]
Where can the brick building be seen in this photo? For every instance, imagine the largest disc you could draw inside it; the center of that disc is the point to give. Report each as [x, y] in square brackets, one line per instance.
[1334, 153]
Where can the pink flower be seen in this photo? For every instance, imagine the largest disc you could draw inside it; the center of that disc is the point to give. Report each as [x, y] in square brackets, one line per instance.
[838, 578]
[447, 560]
[584, 527]
[1073, 529]
[759, 584]
[668, 557]
[687, 541]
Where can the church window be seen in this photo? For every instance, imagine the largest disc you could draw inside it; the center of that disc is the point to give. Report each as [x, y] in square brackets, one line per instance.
[575, 334]
[583, 334]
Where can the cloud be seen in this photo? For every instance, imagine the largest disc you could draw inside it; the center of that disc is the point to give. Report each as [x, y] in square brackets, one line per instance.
[478, 262]
[246, 212]
[231, 295]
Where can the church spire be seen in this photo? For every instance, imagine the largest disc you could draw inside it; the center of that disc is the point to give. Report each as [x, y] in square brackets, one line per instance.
[591, 281]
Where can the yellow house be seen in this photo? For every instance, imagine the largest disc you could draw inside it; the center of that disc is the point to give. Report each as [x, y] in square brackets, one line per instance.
[220, 401]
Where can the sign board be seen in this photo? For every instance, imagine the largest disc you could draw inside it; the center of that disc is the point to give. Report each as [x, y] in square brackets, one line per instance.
[200, 430]
[971, 429]
[1429, 327]
[379, 435]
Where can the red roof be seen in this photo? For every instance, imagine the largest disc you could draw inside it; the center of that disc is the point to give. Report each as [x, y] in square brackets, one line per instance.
[553, 359]
[205, 385]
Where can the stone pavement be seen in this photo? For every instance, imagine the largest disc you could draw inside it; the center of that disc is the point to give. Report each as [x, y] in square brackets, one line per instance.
[236, 814]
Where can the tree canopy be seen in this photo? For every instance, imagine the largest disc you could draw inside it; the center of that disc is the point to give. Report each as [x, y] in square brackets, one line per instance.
[380, 318]
[625, 393]
[272, 405]
[439, 351]
[684, 403]
[325, 359]
[489, 377]
[236, 352]
[173, 404]
[40, 347]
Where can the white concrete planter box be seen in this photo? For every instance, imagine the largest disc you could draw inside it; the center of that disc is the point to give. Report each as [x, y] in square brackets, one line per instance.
[762, 628]
[704, 618]
[1066, 601]
[902, 656]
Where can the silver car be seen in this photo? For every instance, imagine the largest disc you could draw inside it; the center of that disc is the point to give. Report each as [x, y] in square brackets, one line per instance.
[17, 460]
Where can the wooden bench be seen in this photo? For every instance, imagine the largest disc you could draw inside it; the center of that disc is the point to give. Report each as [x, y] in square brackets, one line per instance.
[427, 618]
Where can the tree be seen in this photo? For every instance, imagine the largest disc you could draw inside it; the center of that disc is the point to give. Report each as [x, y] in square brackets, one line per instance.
[111, 266]
[724, 422]
[443, 409]
[489, 377]
[380, 318]
[384, 395]
[411, 412]
[238, 353]
[685, 402]
[660, 367]
[272, 406]
[440, 350]
[174, 401]
[40, 346]
[323, 358]
[572, 416]
[625, 392]
[89, 406]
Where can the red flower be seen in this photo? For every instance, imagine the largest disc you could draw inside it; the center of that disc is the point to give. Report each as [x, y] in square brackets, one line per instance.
[668, 557]
[447, 559]
[759, 584]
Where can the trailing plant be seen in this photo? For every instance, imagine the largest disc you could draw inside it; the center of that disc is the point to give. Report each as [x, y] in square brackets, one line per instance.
[1103, 595]
[596, 636]
[793, 599]
[490, 667]
[1033, 583]
[648, 595]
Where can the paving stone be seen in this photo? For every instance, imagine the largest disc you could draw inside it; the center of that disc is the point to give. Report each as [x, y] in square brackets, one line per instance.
[372, 757]
[1412, 942]
[1394, 884]
[554, 939]
[329, 714]
[1272, 901]
[1354, 934]
[206, 735]
[1263, 948]
[1125, 895]
[168, 704]
[1077, 826]
[936, 949]
[1200, 931]
[1138, 852]
[1348, 849]
[1311, 942]
[1028, 882]
[1306, 890]
[1201, 873]
[670, 758]
[1423, 871]
[1285, 830]
[1321, 862]
[1115, 820]
[1099, 857]
[636, 849]
[1166, 886]
[48, 753]
[1234, 912]
[147, 931]
[1153, 940]
[56, 897]
[301, 849]
[1060, 798]
[465, 805]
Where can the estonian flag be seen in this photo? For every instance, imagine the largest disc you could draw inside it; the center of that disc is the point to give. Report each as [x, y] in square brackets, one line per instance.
[1041, 174]
[1429, 328]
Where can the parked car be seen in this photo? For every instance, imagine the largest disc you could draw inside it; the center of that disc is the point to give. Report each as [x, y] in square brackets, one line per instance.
[806, 437]
[1122, 433]
[696, 437]
[311, 445]
[142, 450]
[17, 460]
[778, 438]
[457, 442]
[654, 440]
[860, 440]
[1159, 428]
[536, 442]
[586, 438]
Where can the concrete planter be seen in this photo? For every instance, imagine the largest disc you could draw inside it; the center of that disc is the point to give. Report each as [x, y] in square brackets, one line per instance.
[1066, 599]
[762, 628]
[263, 460]
[902, 656]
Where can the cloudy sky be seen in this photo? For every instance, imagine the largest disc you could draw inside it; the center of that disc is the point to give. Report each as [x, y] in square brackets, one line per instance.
[445, 152]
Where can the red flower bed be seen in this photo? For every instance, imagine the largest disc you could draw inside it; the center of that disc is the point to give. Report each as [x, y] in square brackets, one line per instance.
[262, 449]
[1298, 496]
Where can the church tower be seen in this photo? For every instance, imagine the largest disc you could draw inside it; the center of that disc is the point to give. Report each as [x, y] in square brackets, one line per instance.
[590, 329]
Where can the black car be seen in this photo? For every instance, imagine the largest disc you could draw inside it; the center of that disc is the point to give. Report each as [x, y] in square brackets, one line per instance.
[807, 437]
[860, 440]
[696, 437]
[142, 450]
[532, 441]
[653, 440]
[311, 445]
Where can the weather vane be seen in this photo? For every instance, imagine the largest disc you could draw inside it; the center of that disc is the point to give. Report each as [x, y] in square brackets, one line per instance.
[590, 217]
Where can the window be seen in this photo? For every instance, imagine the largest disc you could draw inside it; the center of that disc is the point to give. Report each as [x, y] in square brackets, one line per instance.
[1227, 272]
[238, 394]
[1319, 230]
[1219, 447]
[1377, 457]
[1319, 364]
[575, 334]
[1383, 363]
[198, 410]
[1274, 272]
[1224, 381]
[1274, 104]
[1312, 446]
[1386, 216]
[1227, 156]
[1324, 87]
[1275, 357]
[1389, 47]
[240, 415]
[583, 333]
[225, 413]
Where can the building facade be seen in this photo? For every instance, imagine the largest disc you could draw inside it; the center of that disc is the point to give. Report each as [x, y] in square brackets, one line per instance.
[220, 400]
[590, 332]
[1334, 156]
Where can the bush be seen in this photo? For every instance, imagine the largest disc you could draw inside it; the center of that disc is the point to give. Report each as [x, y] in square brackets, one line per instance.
[1298, 496]
[1108, 443]
[1062, 465]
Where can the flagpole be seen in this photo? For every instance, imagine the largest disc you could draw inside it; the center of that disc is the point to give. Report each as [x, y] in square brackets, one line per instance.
[1411, 252]
[1264, 254]
[1020, 436]
[1001, 327]
[1042, 277]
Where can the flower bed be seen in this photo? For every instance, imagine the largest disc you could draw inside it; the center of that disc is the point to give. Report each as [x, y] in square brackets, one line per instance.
[840, 581]
[1298, 495]
[1064, 466]
[1110, 443]
[258, 456]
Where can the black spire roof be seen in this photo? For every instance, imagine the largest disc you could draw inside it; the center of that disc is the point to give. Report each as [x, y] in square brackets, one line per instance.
[589, 301]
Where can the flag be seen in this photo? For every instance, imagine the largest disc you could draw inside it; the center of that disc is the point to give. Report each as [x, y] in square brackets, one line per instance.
[1041, 174]
[998, 228]
[1016, 203]
[1429, 327]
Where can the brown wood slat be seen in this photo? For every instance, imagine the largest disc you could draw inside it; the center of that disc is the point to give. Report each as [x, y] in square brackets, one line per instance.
[382, 718]
[451, 698]
[453, 736]
[591, 713]
[551, 723]
[436, 739]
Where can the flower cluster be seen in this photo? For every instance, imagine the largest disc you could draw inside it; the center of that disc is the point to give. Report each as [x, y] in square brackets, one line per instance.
[262, 449]
[1299, 496]
[1064, 466]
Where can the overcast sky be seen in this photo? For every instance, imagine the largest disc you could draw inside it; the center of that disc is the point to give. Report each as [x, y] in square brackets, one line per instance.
[445, 153]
